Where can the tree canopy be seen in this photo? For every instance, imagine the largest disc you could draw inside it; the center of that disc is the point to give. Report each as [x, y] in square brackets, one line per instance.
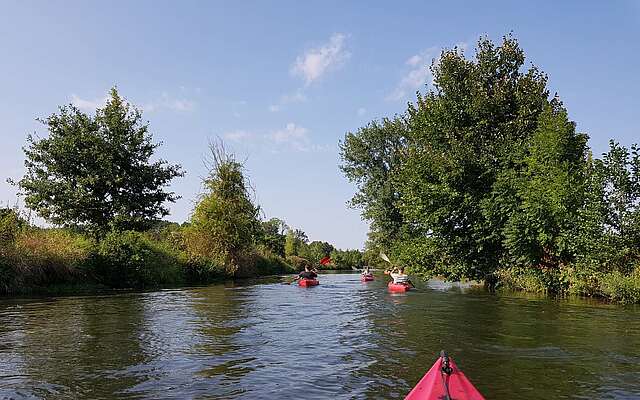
[96, 172]
[484, 171]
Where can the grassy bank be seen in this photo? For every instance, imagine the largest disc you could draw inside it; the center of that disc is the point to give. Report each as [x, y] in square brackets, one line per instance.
[37, 260]
[613, 286]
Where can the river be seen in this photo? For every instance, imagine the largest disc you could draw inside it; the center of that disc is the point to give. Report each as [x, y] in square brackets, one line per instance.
[340, 340]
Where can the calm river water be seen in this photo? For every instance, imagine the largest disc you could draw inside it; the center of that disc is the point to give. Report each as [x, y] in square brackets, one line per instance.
[341, 340]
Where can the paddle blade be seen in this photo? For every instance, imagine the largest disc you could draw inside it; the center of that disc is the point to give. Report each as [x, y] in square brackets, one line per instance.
[431, 386]
[384, 257]
[325, 261]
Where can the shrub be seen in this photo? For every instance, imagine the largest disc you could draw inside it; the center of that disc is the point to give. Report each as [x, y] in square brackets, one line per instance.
[621, 288]
[129, 259]
[10, 225]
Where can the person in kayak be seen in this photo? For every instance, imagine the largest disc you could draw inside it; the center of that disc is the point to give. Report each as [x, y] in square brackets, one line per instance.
[308, 273]
[366, 271]
[399, 277]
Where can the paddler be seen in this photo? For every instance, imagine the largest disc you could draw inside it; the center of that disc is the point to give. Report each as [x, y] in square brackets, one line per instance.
[308, 273]
[398, 276]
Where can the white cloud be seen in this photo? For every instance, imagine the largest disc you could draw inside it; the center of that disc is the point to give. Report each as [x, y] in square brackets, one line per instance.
[237, 136]
[290, 133]
[296, 97]
[317, 61]
[362, 111]
[170, 103]
[418, 74]
[292, 137]
[89, 105]
[164, 102]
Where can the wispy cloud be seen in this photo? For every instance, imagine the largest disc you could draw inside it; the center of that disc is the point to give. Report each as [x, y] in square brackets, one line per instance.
[169, 103]
[418, 72]
[296, 97]
[292, 137]
[238, 135]
[315, 62]
[165, 101]
[88, 105]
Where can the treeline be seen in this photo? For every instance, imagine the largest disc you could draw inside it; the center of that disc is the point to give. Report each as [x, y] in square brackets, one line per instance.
[485, 177]
[93, 178]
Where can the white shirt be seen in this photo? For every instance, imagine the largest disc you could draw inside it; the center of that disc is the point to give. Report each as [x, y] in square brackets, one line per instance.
[399, 278]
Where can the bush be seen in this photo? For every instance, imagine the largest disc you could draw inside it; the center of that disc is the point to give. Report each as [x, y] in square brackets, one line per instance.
[43, 257]
[10, 225]
[297, 263]
[129, 259]
[621, 288]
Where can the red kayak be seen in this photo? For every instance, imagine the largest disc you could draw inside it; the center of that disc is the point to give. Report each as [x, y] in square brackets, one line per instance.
[366, 277]
[444, 381]
[398, 287]
[304, 282]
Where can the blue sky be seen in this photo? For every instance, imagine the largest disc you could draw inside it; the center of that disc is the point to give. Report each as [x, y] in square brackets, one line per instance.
[283, 81]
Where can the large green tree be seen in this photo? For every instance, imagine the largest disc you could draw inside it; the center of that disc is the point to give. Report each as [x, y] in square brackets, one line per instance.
[96, 172]
[484, 169]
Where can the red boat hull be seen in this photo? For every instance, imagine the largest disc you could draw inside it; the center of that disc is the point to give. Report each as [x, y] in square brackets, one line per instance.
[308, 282]
[366, 278]
[431, 386]
[398, 287]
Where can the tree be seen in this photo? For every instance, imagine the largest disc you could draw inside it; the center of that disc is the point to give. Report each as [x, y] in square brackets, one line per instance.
[318, 250]
[369, 158]
[224, 225]
[549, 193]
[295, 240]
[273, 235]
[95, 172]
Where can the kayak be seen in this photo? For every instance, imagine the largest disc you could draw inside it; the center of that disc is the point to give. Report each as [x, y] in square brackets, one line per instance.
[304, 282]
[398, 287]
[366, 277]
[444, 381]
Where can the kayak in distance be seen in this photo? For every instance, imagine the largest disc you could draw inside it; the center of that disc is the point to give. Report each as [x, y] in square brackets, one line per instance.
[306, 282]
[366, 277]
[398, 287]
[444, 381]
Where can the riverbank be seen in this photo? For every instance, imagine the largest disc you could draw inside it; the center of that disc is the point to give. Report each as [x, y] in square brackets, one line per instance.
[611, 286]
[52, 261]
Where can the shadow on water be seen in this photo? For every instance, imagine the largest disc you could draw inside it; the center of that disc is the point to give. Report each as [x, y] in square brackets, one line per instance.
[344, 339]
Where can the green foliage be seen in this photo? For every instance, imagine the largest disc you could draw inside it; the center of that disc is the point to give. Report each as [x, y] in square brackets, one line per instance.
[224, 226]
[40, 257]
[370, 157]
[346, 259]
[129, 259]
[317, 250]
[95, 172]
[485, 175]
[273, 236]
[621, 288]
[295, 242]
[466, 145]
[10, 225]
[549, 190]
